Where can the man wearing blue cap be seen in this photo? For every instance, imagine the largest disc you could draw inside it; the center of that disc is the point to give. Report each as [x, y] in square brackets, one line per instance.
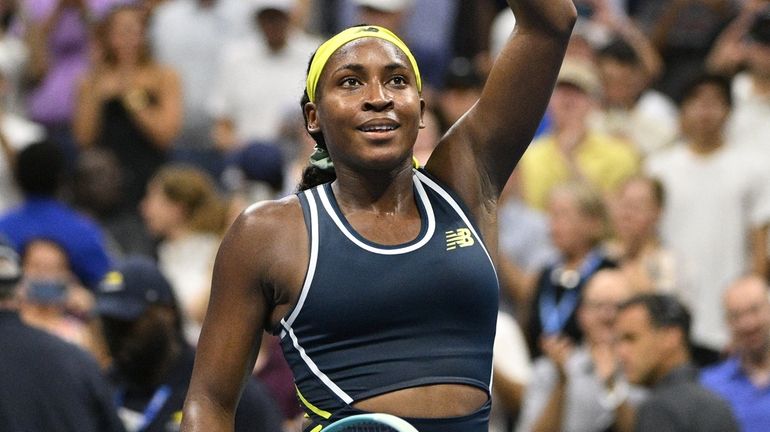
[152, 363]
[46, 384]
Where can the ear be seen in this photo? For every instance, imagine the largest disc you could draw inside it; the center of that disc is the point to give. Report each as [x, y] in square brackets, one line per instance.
[422, 113]
[673, 339]
[311, 114]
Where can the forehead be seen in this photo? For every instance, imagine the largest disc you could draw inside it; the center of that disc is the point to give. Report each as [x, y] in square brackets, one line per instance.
[633, 319]
[367, 52]
[745, 295]
[606, 287]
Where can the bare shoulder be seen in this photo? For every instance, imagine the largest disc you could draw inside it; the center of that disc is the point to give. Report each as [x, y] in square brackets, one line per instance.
[267, 224]
[266, 250]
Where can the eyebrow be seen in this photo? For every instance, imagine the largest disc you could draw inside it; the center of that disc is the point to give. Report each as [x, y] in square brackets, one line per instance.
[359, 68]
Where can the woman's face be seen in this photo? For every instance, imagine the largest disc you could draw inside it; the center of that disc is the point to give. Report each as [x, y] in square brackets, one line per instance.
[126, 34]
[368, 107]
[160, 214]
[637, 212]
[572, 231]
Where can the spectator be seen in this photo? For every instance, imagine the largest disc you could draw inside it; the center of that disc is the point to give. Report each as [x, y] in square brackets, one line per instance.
[717, 206]
[525, 245]
[98, 185]
[647, 264]
[14, 58]
[183, 210]
[572, 150]
[683, 32]
[128, 103]
[54, 300]
[188, 35]
[577, 221]
[57, 33]
[513, 370]
[425, 25]
[579, 387]
[46, 384]
[272, 370]
[462, 88]
[630, 109]
[743, 379]
[744, 47]
[40, 175]
[249, 70]
[152, 363]
[652, 331]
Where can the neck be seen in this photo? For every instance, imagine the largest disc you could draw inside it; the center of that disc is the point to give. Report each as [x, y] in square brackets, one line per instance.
[761, 83]
[574, 259]
[177, 232]
[759, 359]
[669, 363]
[392, 193]
[636, 246]
[705, 143]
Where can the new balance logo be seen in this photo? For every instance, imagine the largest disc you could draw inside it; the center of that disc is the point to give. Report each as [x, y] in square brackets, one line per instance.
[461, 237]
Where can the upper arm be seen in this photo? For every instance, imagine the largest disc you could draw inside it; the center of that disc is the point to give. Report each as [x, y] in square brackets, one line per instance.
[171, 100]
[478, 154]
[242, 299]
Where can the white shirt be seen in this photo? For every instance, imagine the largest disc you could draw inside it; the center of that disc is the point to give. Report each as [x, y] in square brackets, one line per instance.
[189, 38]
[257, 89]
[511, 359]
[19, 132]
[652, 124]
[712, 203]
[749, 122]
[188, 264]
[13, 60]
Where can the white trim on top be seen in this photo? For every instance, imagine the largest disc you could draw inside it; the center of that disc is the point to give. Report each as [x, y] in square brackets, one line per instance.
[444, 194]
[382, 251]
[316, 371]
[314, 240]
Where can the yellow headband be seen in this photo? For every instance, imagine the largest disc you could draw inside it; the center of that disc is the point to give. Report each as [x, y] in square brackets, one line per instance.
[325, 51]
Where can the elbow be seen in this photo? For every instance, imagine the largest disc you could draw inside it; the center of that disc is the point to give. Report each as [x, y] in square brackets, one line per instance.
[565, 22]
[554, 19]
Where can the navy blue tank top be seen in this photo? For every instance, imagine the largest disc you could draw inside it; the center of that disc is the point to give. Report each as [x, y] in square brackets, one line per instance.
[372, 319]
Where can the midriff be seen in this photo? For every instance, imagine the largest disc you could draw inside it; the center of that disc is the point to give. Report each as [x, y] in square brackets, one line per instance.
[432, 401]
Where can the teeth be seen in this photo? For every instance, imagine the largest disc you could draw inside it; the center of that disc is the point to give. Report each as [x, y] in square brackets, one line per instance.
[378, 128]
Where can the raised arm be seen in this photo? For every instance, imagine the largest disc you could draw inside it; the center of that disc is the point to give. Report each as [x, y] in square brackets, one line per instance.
[163, 121]
[243, 296]
[478, 154]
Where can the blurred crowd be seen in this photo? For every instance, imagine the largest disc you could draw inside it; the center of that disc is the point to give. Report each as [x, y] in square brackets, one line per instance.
[133, 132]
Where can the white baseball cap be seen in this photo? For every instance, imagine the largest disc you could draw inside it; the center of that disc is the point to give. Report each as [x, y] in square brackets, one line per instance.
[385, 5]
[281, 5]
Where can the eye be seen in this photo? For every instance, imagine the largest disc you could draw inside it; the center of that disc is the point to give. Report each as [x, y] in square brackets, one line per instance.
[398, 80]
[350, 82]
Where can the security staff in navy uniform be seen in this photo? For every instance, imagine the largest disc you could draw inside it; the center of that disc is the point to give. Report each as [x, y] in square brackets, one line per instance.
[152, 363]
[46, 384]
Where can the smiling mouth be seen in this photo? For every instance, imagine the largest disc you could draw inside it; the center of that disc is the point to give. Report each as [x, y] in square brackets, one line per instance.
[378, 128]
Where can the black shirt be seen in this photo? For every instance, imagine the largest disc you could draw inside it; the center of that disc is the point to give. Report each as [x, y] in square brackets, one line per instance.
[49, 385]
[678, 403]
[257, 412]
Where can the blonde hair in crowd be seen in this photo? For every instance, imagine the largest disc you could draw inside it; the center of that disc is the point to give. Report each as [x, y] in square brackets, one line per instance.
[195, 190]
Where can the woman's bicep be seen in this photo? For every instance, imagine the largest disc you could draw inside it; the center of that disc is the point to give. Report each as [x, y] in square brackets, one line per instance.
[231, 334]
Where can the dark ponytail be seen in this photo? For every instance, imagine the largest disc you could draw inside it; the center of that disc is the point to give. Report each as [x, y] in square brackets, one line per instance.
[312, 175]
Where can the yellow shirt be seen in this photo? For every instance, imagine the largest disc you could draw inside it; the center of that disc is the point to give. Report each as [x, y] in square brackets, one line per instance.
[603, 160]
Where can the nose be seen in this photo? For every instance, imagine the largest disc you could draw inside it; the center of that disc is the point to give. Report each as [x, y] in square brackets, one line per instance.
[377, 98]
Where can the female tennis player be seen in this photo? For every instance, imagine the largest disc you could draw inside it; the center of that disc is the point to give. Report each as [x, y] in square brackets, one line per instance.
[377, 281]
